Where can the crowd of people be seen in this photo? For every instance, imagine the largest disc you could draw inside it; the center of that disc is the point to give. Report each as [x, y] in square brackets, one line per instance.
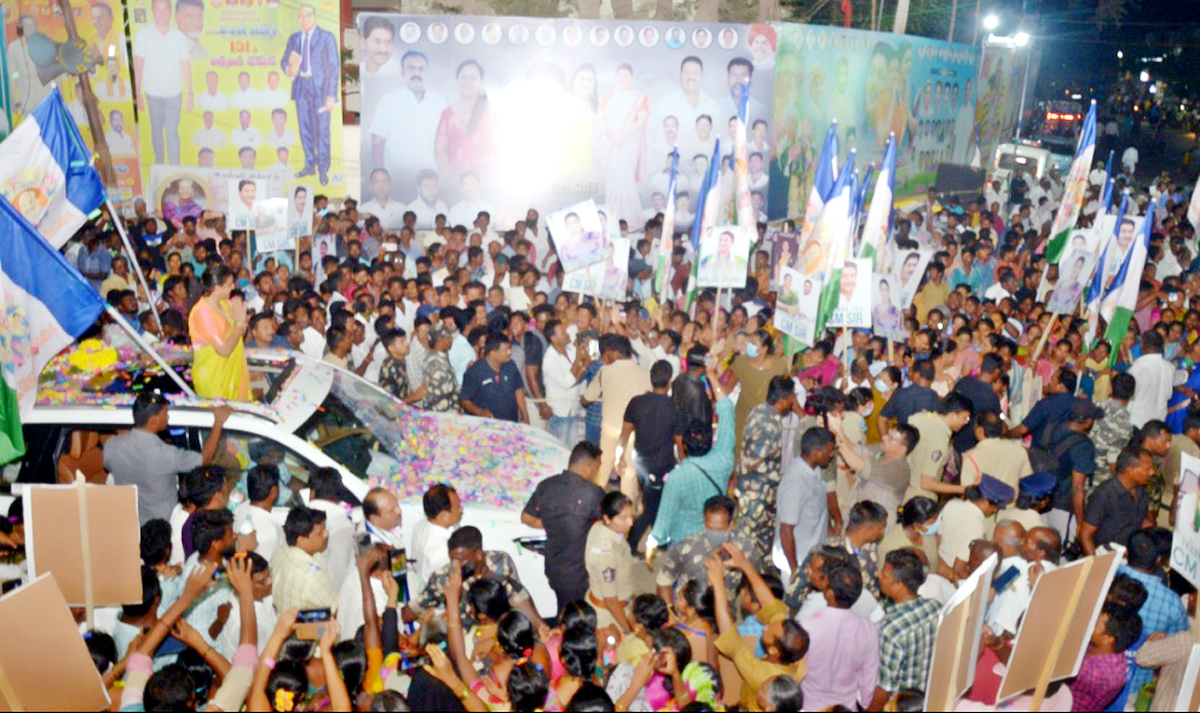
[742, 522]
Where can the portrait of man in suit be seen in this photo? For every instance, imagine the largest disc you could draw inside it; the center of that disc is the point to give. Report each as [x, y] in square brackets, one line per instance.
[311, 61]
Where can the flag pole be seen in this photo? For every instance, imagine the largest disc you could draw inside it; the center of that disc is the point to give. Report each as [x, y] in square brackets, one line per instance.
[133, 260]
[141, 342]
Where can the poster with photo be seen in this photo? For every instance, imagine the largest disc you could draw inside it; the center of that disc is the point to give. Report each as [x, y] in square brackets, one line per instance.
[323, 246]
[724, 255]
[578, 235]
[243, 203]
[610, 228]
[909, 267]
[887, 319]
[784, 248]
[1115, 242]
[549, 112]
[854, 296]
[1074, 276]
[796, 305]
[1084, 239]
[607, 279]
[299, 211]
[190, 190]
[260, 86]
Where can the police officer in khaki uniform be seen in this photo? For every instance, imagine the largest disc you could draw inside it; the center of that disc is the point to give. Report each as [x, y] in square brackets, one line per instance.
[610, 562]
[928, 459]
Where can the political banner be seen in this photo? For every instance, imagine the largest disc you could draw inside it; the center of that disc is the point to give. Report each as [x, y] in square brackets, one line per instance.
[178, 191]
[784, 249]
[253, 85]
[854, 295]
[796, 305]
[909, 267]
[299, 212]
[874, 84]
[887, 319]
[607, 279]
[579, 236]
[34, 30]
[1074, 275]
[1185, 544]
[553, 112]
[724, 255]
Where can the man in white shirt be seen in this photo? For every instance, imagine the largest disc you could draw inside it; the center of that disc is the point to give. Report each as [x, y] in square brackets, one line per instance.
[1155, 377]
[1129, 160]
[273, 97]
[209, 136]
[244, 97]
[427, 206]
[245, 135]
[162, 72]
[561, 370]
[262, 490]
[380, 526]
[280, 135]
[468, 209]
[443, 511]
[326, 494]
[212, 100]
[379, 70]
[405, 123]
[120, 144]
[688, 103]
[381, 205]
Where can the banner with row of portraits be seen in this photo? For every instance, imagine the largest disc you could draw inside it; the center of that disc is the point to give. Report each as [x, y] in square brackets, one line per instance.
[874, 84]
[34, 31]
[251, 85]
[462, 114]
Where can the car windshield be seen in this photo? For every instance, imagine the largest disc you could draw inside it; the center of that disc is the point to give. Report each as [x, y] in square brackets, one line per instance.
[390, 444]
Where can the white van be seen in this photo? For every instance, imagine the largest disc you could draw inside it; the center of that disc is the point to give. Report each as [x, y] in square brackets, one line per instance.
[1034, 160]
[312, 415]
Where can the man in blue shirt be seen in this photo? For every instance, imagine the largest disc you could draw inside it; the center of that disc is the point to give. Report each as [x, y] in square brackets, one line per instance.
[1052, 409]
[492, 387]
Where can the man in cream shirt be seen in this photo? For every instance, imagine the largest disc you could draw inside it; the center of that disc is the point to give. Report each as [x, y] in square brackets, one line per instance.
[430, 537]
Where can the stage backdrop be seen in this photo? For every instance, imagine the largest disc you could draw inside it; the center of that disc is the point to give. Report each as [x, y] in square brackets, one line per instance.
[32, 29]
[216, 85]
[873, 83]
[503, 114]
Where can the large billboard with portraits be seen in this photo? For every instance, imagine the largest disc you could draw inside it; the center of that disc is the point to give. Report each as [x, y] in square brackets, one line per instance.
[252, 86]
[874, 84]
[33, 31]
[502, 113]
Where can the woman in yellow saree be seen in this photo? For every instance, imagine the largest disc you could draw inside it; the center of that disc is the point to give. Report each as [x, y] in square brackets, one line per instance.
[216, 325]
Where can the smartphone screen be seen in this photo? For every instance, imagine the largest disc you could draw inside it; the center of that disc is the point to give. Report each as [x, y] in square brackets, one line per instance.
[310, 623]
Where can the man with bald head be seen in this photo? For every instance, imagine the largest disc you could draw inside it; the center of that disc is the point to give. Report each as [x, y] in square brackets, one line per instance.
[381, 518]
[1034, 553]
[1008, 536]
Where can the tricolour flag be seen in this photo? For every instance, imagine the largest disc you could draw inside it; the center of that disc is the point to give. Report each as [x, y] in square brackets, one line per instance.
[710, 206]
[666, 241]
[879, 215]
[1077, 183]
[46, 305]
[823, 180]
[1120, 299]
[1106, 194]
[46, 173]
[1096, 286]
[834, 228]
[746, 215]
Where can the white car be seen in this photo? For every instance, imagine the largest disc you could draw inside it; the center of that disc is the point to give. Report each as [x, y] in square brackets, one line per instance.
[312, 415]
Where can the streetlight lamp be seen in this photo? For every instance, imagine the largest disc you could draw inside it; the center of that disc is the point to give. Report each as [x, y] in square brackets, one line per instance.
[991, 22]
[1021, 39]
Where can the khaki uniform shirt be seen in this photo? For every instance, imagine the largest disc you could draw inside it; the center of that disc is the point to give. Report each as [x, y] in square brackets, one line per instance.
[609, 564]
[1004, 459]
[929, 457]
[962, 523]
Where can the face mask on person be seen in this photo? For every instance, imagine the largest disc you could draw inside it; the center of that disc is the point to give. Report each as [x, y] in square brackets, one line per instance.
[918, 356]
[866, 411]
[931, 530]
[752, 350]
[882, 386]
[243, 283]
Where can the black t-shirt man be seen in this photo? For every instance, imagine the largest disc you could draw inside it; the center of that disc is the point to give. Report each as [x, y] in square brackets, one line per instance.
[656, 424]
[567, 504]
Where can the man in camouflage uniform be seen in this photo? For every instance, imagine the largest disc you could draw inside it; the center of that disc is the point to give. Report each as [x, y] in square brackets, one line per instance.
[466, 551]
[1112, 433]
[441, 386]
[762, 468]
[867, 522]
[684, 560]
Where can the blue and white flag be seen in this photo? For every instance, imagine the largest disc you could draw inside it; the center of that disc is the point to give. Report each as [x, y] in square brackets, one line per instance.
[1077, 182]
[824, 177]
[879, 215]
[46, 172]
[46, 305]
[1106, 194]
